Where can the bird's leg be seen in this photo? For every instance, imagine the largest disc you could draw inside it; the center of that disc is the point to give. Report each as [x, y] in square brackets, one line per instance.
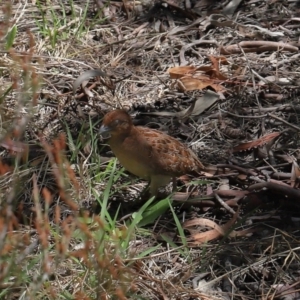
[156, 182]
[174, 184]
[152, 187]
[145, 194]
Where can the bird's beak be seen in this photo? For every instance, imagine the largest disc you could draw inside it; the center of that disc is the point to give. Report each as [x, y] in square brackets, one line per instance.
[105, 131]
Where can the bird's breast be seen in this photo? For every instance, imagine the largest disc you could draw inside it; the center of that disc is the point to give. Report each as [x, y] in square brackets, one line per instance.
[133, 160]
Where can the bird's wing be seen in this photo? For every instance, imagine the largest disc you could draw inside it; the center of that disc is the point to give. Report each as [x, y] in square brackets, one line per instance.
[168, 155]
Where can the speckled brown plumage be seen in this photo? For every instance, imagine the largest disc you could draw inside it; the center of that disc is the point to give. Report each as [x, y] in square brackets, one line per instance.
[147, 153]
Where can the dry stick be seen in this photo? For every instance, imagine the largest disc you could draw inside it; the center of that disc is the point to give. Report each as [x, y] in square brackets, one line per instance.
[183, 61]
[205, 201]
[241, 116]
[281, 175]
[288, 60]
[260, 46]
[242, 170]
[285, 122]
[221, 201]
[138, 30]
[285, 190]
[254, 87]
[277, 166]
[277, 97]
[184, 29]
[267, 109]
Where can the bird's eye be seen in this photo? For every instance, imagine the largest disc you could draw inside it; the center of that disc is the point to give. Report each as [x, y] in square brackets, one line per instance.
[116, 123]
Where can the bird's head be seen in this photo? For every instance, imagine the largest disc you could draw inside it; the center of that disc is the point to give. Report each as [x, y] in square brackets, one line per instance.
[116, 123]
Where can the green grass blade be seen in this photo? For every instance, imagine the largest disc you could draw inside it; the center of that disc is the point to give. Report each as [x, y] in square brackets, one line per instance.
[10, 37]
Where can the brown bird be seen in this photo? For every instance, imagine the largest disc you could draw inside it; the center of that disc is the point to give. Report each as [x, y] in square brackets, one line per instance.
[147, 153]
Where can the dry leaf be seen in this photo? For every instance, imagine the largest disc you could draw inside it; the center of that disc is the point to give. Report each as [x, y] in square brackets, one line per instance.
[178, 72]
[195, 109]
[256, 143]
[216, 232]
[190, 84]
